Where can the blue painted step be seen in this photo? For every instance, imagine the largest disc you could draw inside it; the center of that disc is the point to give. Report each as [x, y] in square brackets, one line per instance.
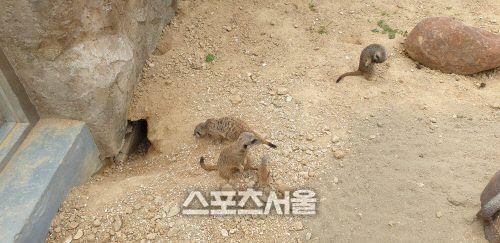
[56, 156]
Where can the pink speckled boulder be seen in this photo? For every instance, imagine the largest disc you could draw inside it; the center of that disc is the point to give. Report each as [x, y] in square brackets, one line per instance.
[453, 47]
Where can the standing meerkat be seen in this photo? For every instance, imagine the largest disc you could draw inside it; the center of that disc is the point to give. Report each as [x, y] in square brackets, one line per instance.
[372, 54]
[264, 173]
[228, 128]
[234, 157]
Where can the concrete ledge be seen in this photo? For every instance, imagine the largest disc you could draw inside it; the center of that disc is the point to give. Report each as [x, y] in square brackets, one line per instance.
[56, 156]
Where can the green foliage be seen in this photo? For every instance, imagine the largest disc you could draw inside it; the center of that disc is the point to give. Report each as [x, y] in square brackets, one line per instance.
[385, 14]
[388, 30]
[209, 57]
[311, 6]
[322, 29]
[448, 8]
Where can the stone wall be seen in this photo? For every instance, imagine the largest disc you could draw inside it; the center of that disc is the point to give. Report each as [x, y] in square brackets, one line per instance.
[82, 59]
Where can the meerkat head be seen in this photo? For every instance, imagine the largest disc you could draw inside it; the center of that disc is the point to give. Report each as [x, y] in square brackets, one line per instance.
[380, 55]
[200, 130]
[248, 139]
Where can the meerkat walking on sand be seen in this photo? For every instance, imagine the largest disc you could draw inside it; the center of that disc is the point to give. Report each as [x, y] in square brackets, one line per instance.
[372, 54]
[234, 157]
[228, 128]
[264, 173]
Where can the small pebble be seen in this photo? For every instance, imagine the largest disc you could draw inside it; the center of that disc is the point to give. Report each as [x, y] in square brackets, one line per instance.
[78, 234]
[495, 106]
[128, 210]
[309, 137]
[90, 238]
[173, 211]
[173, 231]
[151, 236]
[282, 187]
[236, 99]
[439, 214]
[308, 236]
[251, 184]
[227, 187]
[298, 225]
[117, 224]
[73, 225]
[224, 233]
[282, 91]
[97, 223]
[338, 154]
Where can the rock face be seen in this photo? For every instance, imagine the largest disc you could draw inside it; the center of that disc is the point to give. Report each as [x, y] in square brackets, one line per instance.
[489, 207]
[453, 47]
[82, 59]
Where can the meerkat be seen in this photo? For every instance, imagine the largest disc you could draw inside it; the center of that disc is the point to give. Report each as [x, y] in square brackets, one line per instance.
[228, 128]
[264, 173]
[372, 54]
[235, 157]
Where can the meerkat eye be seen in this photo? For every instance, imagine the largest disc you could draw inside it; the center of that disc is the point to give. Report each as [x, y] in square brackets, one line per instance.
[245, 146]
[254, 141]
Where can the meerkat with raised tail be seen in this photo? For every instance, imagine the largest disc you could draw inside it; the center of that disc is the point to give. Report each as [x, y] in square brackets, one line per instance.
[372, 54]
[225, 128]
[264, 173]
[235, 157]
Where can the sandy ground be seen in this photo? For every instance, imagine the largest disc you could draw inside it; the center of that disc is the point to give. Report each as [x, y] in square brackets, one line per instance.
[419, 145]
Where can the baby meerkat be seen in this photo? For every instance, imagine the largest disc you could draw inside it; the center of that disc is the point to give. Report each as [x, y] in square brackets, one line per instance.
[235, 157]
[228, 128]
[264, 173]
[372, 54]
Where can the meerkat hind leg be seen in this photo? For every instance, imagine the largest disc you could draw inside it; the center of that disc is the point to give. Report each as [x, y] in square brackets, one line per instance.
[241, 168]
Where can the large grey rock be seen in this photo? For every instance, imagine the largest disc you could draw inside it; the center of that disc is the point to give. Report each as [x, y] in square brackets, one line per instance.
[82, 59]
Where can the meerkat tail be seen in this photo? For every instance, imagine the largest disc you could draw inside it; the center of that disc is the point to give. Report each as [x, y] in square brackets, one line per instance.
[264, 173]
[269, 144]
[356, 73]
[207, 167]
